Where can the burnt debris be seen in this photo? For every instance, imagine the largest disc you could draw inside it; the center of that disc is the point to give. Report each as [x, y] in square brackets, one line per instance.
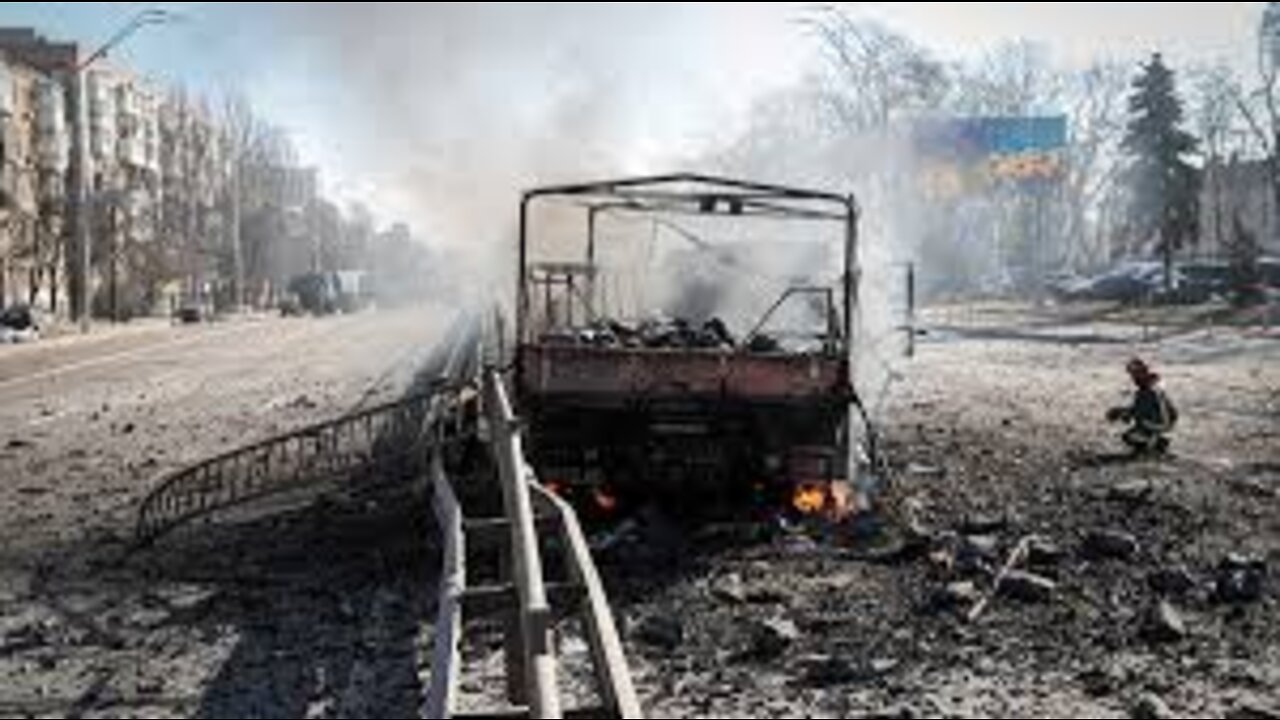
[664, 334]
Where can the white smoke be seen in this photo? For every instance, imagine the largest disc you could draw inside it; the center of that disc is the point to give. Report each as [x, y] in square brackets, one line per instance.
[442, 112]
[448, 110]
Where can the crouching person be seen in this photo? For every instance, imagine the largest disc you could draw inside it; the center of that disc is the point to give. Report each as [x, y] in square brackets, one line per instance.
[1152, 415]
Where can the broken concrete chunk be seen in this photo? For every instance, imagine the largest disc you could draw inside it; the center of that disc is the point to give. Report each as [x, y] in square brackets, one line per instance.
[1165, 624]
[660, 631]
[1172, 582]
[822, 671]
[1102, 681]
[1045, 553]
[1151, 707]
[772, 638]
[1028, 587]
[1252, 711]
[983, 524]
[1111, 545]
[980, 547]
[958, 595]
[1241, 580]
[1133, 492]
[923, 470]
[730, 589]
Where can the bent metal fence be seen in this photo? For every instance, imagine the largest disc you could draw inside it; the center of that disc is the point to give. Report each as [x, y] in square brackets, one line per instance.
[368, 449]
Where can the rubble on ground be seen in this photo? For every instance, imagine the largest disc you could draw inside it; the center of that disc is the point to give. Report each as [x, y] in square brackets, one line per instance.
[664, 334]
[1128, 602]
[1161, 602]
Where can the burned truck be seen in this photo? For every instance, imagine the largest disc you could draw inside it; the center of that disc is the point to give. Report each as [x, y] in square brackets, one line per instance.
[675, 343]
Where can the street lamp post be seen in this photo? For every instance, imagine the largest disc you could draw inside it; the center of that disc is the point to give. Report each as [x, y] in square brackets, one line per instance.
[83, 176]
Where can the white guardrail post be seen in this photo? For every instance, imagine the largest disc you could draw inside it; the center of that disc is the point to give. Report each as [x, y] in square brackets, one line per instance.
[446, 663]
[535, 612]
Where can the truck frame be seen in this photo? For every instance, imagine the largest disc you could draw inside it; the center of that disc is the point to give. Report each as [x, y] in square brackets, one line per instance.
[690, 427]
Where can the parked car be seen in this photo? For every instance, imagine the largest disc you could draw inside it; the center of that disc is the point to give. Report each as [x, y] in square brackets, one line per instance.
[18, 324]
[1270, 268]
[1128, 282]
[1144, 281]
[1213, 276]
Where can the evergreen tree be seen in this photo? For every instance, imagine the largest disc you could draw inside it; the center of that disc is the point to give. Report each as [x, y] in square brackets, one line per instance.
[1164, 185]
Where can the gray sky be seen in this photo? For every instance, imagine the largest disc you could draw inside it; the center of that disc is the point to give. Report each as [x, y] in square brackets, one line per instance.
[671, 77]
[1077, 32]
[394, 99]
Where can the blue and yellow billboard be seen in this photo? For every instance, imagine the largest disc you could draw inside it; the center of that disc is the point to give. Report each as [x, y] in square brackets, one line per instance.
[966, 155]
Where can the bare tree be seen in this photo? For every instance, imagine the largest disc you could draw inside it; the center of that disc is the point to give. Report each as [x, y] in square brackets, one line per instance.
[258, 156]
[239, 127]
[1215, 116]
[791, 136]
[1095, 98]
[1015, 79]
[253, 148]
[878, 75]
[1260, 108]
[876, 83]
[1018, 79]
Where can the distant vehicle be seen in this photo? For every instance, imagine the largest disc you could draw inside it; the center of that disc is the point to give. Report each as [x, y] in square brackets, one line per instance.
[189, 314]
[1062, 284]
[1270, 268]
[18, 324]
[1143, 281]
[326, 293]
[1203, 280]
[1127, 282]
[1212, 277]
[312, 293]
[19, 317]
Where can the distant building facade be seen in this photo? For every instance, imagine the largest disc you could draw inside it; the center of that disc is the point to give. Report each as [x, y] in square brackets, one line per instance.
[34, 162]
[1240, 188]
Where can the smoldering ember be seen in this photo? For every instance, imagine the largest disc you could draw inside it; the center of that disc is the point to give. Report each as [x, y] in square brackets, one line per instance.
[683, 360]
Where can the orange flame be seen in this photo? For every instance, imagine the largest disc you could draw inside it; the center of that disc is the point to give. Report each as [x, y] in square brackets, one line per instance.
[809, 498]
[834, 500]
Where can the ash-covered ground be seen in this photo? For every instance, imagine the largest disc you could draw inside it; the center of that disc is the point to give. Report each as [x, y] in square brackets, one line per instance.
[1146, 593]
[1149, 591]
[278, 618]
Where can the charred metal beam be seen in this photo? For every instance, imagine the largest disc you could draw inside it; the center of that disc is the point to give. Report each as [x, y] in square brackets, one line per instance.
[612, 188]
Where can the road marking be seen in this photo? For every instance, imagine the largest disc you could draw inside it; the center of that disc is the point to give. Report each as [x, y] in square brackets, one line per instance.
[113, 357]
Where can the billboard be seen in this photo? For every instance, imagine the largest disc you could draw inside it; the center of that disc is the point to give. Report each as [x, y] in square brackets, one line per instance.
[971, 154]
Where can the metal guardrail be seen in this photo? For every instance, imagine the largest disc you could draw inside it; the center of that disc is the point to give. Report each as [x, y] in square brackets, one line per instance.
[613, 675]
[379, 445]
[446, 661]
[365, 450]
[531, 662]
[536, 642]
[406, 441]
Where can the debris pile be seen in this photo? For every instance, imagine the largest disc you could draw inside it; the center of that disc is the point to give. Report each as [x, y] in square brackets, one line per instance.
[664, 334]
[843, 629]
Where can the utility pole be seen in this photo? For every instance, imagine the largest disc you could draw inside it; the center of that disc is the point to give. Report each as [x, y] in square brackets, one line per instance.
[80, 211]
[1269, 64]
[237, 250]
[82, 192]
